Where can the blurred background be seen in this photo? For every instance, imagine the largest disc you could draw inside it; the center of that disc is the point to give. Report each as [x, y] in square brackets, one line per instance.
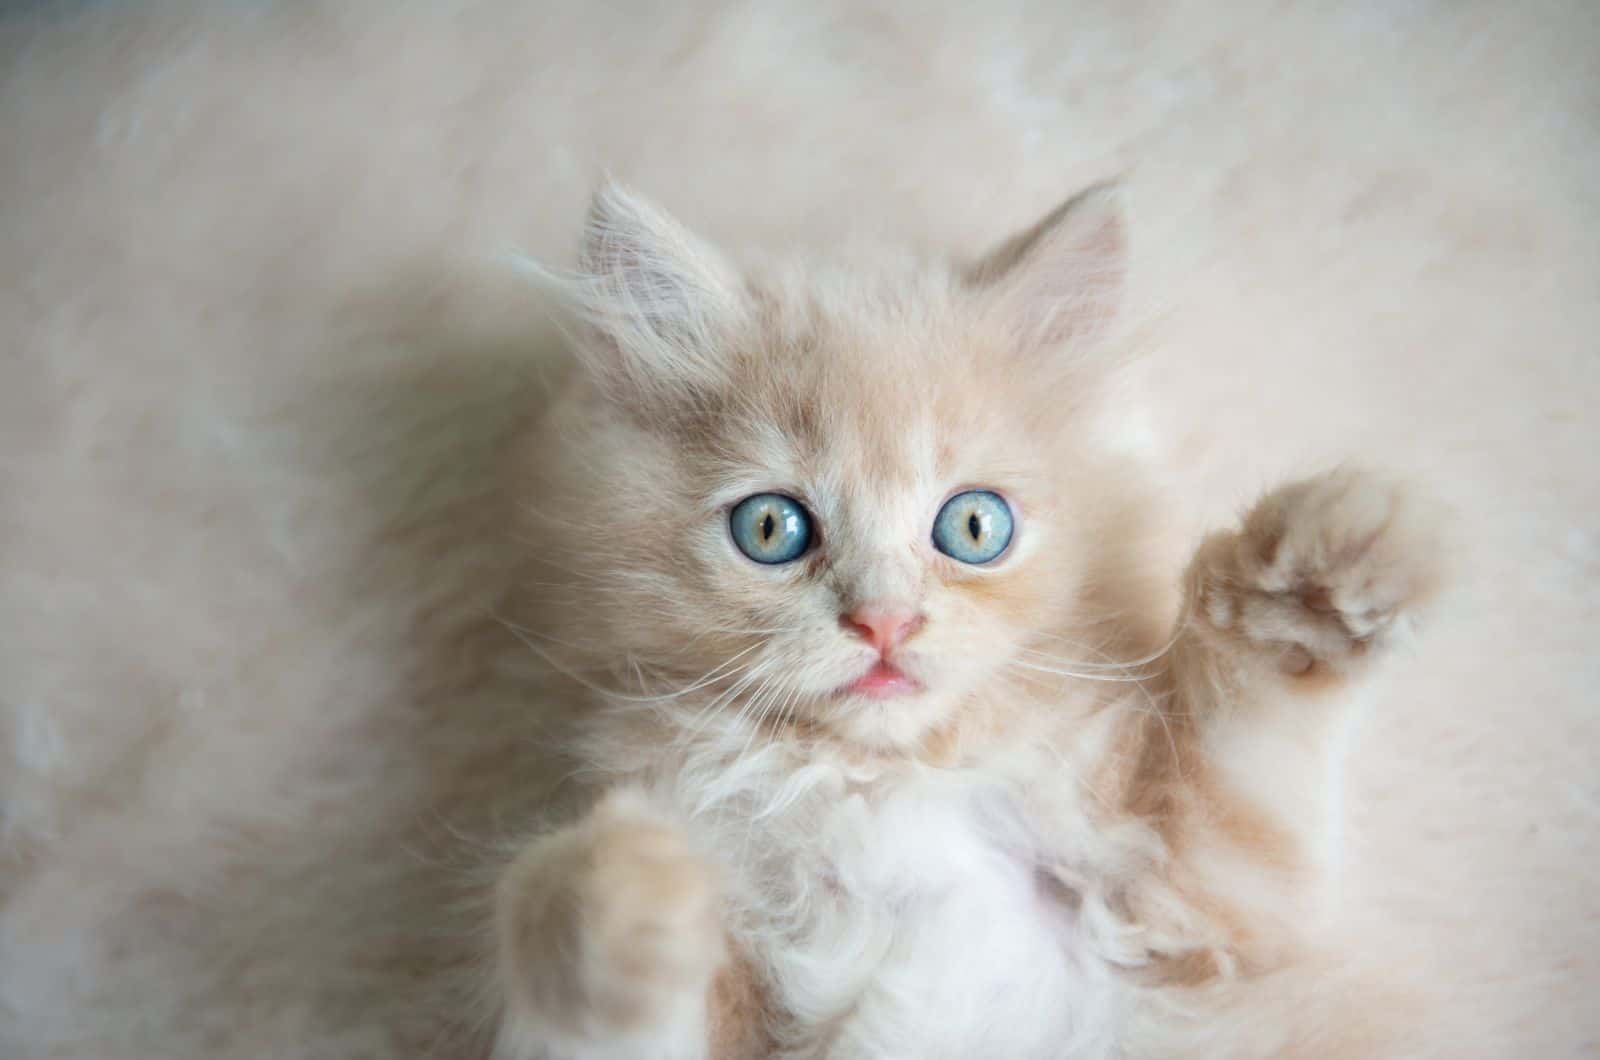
[259, 353]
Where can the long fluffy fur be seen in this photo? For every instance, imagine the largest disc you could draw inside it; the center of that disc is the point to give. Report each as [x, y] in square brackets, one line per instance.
[1090, 824]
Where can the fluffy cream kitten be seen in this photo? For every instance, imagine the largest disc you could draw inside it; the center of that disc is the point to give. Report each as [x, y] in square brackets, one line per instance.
[883, 747]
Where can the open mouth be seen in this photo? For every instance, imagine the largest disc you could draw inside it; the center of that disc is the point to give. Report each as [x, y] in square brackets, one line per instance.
[883, 681]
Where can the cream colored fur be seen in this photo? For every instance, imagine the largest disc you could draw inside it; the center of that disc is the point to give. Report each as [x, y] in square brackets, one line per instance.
[263, 361]
[1085, 817]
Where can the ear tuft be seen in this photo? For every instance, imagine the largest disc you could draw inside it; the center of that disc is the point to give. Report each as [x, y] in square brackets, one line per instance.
[1061, 280]
[657, 298]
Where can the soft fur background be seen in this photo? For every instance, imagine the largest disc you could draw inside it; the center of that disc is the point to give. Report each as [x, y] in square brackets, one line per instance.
[258, 355]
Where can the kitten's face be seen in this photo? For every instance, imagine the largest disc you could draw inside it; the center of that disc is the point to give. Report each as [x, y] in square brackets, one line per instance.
[853, 409]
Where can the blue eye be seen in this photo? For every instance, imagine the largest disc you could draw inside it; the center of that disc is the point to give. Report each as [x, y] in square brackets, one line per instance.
[973, 527]
[770, 528]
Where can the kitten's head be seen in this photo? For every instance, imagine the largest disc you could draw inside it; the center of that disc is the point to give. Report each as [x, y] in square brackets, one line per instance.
[853, 496]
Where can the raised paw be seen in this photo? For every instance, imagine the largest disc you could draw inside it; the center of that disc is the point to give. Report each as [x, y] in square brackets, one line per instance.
[610, 928]
[1322, 572]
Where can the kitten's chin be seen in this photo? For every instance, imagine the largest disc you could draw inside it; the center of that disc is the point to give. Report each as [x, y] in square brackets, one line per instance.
[887, 723]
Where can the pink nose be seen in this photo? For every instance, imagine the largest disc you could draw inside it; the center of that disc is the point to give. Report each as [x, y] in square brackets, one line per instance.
[884, 628]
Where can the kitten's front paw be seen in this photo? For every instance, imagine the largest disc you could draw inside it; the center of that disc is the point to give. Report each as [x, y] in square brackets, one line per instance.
[612, 926]
[1323, 571]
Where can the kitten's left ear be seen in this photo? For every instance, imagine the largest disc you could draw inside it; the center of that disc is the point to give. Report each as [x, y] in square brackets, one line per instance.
[1061, 280]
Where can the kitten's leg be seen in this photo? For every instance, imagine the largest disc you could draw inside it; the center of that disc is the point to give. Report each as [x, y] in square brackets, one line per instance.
[608, 941]
[1286, 617]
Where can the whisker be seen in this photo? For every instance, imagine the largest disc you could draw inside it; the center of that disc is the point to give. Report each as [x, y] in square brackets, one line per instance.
[711, 677]
[696, 725]
[1111, 678]
[1079, 667]
[1179, 627]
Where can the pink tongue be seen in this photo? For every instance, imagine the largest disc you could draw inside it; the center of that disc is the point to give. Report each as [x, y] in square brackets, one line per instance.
[883, 680]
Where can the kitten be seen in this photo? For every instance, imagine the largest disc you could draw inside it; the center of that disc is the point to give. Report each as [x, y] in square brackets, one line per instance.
[884, 747]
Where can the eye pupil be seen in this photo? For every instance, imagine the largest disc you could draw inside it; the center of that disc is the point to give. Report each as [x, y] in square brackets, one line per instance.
[975, 526]
[768, 525]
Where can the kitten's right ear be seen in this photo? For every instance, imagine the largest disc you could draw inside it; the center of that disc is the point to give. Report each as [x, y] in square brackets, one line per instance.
[658, 300]
[1061, 280]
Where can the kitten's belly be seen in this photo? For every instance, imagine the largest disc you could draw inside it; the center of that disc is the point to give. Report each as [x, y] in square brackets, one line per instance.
[934, 938]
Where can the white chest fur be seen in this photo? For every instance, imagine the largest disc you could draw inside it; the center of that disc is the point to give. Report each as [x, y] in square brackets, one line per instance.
[907, 919]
